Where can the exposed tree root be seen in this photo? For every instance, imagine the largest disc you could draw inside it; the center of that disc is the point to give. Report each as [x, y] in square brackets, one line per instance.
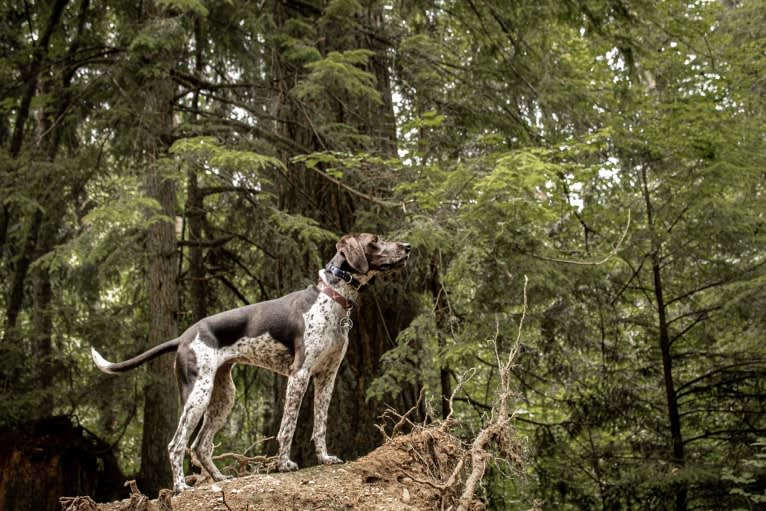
[442, 461]
[77, 504]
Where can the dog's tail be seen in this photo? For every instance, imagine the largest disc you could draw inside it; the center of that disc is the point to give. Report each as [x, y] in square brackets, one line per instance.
[118, 367]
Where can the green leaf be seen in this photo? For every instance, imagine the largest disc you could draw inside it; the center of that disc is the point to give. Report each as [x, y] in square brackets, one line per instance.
[193, 6]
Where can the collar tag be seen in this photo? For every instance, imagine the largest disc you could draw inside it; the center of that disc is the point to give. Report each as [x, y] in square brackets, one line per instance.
[346, 323]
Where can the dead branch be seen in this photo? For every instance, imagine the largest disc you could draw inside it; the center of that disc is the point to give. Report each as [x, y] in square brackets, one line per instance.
[409, 412]
[498, 430]
[430, 445]
[261, 441]
[461, 380]
[480, 456]
[391, 414]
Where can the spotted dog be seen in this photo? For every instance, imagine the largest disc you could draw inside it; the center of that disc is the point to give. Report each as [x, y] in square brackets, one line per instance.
[300, 335]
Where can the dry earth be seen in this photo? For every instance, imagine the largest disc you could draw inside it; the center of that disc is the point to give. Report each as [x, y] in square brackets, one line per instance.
[390, 478]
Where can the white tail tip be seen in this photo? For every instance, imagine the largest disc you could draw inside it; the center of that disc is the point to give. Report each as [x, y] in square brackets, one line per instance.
[101, 362]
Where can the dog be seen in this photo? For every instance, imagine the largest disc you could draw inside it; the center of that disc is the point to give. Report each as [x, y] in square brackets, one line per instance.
[301, 335]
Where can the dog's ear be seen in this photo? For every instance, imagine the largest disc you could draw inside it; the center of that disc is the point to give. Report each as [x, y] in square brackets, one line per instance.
[352, 250]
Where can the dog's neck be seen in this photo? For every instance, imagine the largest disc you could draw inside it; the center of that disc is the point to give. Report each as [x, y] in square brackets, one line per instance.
[348, 290]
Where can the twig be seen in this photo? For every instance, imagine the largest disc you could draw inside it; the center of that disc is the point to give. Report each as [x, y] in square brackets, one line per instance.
[261, 441]
[461, 380]
[354, 191]
[403, 418]
[611, 253]
[223, 498]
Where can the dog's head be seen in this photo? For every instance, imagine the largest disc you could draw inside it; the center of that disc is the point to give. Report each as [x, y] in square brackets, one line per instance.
[367, 254]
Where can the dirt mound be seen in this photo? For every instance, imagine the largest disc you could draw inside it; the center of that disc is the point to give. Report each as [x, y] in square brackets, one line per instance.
[390, 478]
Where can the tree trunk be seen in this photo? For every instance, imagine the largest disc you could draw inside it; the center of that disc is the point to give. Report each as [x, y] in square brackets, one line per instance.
[384, 309]
[15, 298]
[195, 217]
[35, 66]
[160, 395]
[674, 418]
[195, 210]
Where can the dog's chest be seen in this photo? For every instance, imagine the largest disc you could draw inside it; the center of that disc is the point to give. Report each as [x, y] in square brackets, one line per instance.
[323, 337]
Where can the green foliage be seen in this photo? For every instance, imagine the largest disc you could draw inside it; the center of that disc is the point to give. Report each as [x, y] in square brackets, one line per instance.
[159, 38]
[401, 364]
[307, 234]
[748, 479]
[342, 8]
[339, 73]
[207, 152]
[338, 164]
[525, 135]
[185, 6]
[235, 169]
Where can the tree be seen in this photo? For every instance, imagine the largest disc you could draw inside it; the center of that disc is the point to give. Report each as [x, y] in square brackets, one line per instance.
[635, 118]
[610, 152]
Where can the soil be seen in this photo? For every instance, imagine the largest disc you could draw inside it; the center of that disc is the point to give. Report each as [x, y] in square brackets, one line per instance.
[390, 478]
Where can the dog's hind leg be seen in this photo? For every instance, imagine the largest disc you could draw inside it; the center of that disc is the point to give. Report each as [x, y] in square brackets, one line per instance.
[196, 402]
[218, 410]
[190, 417]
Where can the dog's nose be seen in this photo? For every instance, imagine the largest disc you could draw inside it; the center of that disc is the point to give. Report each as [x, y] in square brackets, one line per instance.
[407, 247]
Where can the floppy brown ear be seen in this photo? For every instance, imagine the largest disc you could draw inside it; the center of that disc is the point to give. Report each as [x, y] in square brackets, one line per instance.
[352, 250]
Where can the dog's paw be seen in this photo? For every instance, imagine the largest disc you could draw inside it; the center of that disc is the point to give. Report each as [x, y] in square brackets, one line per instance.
[287, 466]
[178, 488]
[330, 460]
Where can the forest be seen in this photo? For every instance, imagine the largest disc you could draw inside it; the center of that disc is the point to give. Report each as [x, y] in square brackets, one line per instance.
[589, 175]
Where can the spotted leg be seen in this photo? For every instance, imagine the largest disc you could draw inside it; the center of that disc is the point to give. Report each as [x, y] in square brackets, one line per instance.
[323, 387]
[218, 410]
[296, 387]
[193, 409]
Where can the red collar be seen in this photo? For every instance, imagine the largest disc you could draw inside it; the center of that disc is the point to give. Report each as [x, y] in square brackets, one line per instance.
[336, 296]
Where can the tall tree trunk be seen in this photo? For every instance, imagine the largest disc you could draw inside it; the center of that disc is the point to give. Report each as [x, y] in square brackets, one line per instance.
[160, 396]
[195, 207]
[674, 417]
[48, 140]
[15, 298]
[195, 216]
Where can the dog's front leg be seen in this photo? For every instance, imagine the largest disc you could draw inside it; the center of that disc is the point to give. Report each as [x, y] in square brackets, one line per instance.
[296, 387]
[324, 383]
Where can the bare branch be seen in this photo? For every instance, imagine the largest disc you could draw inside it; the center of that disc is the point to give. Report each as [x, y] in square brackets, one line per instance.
[611, 254]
